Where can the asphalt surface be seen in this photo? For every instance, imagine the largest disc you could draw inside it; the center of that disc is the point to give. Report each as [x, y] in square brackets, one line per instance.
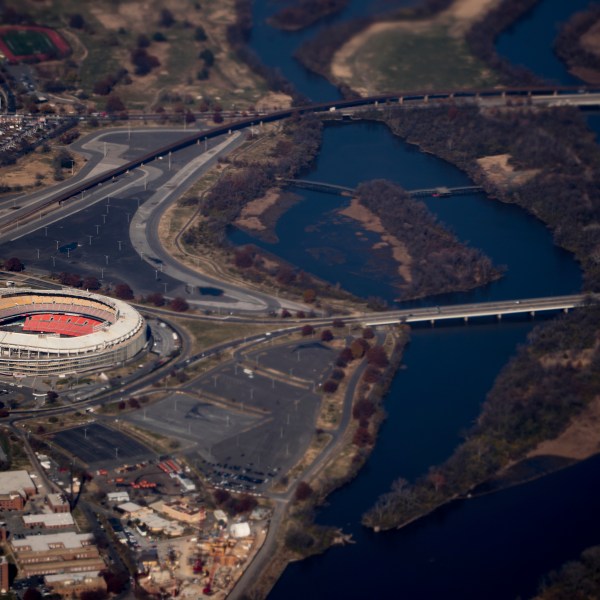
[104, 230]
[95, 444]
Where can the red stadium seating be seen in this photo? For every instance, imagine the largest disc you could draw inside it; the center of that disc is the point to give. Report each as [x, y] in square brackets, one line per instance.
[68, 325]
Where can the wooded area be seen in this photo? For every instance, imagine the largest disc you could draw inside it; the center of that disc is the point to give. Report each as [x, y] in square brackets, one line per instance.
[305, 13]
[440, 263]
[568, 44]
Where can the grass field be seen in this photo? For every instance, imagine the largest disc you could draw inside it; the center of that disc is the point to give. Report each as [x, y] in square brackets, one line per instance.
[394, 61]
[22, 43]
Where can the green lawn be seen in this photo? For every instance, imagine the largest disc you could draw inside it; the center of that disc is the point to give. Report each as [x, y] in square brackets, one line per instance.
[23, 43]
[394, 61]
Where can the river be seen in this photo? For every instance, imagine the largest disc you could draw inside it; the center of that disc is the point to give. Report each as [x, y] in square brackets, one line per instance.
[495, 546]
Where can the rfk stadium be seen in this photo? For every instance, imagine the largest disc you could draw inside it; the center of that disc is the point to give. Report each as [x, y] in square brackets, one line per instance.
[44, 332]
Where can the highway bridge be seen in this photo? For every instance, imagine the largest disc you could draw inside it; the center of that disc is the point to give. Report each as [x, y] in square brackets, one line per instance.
[538, 94]
[465, 312]
[332, 188]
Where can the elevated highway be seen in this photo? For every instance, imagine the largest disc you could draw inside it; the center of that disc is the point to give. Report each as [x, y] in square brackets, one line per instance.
[465, 312]
[536, 95]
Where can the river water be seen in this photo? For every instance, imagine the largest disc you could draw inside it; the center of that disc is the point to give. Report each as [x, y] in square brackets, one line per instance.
[496, 546]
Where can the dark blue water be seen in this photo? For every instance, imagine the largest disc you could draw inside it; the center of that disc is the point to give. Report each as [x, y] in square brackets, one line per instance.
[497, 546]
[312, 235]
[529, 41]
[494, 547]
[276, 48]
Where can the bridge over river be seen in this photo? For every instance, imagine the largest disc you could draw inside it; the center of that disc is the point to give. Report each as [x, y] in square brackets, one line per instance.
[332, 188]
[530, 306]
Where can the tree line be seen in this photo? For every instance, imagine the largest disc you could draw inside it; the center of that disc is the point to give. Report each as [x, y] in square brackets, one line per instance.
[305, 13]
[568, 46]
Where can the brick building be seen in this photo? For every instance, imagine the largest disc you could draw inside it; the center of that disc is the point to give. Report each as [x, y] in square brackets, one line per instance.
[57, 553]
[16, 487]
[70, 585]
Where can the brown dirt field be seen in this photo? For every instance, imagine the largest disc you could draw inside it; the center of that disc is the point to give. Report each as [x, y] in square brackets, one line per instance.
[580, 440]
[26, 169]
[274, 101]
[372, 222]
[250, 215]
[498, 170]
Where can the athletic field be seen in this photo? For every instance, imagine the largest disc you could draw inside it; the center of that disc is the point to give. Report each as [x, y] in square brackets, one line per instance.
[24, 43]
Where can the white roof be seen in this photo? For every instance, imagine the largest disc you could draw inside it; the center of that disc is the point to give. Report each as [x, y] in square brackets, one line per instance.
[240, 530]
[64, 577]
[50, 519]
[220, 515]
[41, 543]
[15, 481]
[112, 496]
[129, 507]
[128, 322]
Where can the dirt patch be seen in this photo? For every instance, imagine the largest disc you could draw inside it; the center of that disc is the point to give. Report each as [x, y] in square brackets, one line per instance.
[251, 213]
[580, 440]
[259, 217]
[499, 172]
[274, 101]
[469, 11]
[35, 170]
[372, 222]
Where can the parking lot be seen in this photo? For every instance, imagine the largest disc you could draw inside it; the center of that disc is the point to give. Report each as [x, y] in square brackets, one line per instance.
[247, 422]
[97, 445]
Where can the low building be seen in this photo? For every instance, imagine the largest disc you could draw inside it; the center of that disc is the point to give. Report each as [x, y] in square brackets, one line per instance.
[16, 487]
[132, 510]
[56, 553]
[117, 497]
[73, 584]
[148, 560]
[240, 530]
[186, 483]
[181, 511]
[58, 520]
[220, 516]
[58, 503]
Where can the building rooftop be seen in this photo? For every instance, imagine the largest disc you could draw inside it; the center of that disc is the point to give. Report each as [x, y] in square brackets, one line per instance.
[67, 577]
[130, 507]
[50, 519]
[16, 481]
[56, 499]
[43, 543]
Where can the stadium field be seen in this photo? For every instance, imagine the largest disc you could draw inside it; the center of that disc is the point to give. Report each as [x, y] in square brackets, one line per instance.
[22, 43]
